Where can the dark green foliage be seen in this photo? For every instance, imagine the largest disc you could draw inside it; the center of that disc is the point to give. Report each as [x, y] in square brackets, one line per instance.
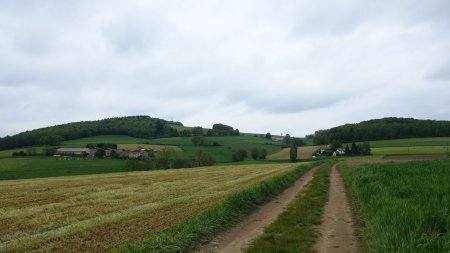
[198, 140]
[384, 129]
[99, 153]
[268, 136]
[297, 142]
[102, 145]
[254, 153]
[49, 150]
[287, 140]
[196, 131]
[262, 153]
[223, 130]
[294, 230]
[293, 154]
[185, 236]
[239, 155]
[335, 145]
[405, 207]
[135, 126]
[347, 150]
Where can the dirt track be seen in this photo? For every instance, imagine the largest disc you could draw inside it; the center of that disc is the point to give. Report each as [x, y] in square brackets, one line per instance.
[337, 229]
[240, 236]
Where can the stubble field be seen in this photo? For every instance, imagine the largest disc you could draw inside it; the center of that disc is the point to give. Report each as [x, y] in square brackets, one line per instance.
[101, 212]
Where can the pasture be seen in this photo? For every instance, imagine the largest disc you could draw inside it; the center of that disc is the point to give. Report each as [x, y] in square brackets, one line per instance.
[404, 207]
[410, 142]
[101, 212]
[415, 150]
[149, 147]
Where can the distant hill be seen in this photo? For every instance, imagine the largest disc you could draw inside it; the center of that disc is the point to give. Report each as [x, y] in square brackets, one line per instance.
[134, 126]
[384, 129]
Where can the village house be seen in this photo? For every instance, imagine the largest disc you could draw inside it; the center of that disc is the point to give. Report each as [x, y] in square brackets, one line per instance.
[141, 153]
[339, 152]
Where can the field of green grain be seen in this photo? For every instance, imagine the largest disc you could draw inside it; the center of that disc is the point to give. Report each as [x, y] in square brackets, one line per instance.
[415, 150]
[402, 207]
[101, 212]
[432, 141]
[34, 167]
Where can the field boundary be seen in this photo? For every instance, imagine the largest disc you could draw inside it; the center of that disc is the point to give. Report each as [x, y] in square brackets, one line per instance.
[200, 229]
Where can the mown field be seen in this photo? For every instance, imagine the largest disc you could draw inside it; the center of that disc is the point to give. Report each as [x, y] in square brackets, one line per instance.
[304, 152]
[402, 207]
[101, 212]
[34, 167]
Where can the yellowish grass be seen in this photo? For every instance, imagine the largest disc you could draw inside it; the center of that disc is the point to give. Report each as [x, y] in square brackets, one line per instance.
[148, 146]
[100, 212]
[302, 153]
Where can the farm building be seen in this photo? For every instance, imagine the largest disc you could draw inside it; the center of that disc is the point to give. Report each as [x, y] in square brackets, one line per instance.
[339, 152]
[74, 151]
[142, 153]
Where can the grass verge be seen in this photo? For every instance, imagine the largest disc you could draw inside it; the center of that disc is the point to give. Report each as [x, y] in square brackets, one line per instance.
[294, 230]
[402, 207]
[186, 235]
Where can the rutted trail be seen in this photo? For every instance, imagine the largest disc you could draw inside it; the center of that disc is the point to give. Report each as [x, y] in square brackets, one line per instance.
[337, 230]
[240, 236]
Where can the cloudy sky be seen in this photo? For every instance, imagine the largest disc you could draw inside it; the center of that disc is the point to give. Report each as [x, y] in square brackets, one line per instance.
[261, 66]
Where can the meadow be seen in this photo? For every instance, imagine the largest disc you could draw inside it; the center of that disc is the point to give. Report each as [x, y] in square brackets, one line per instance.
[414, 150]
[402, 207]
[34, 167]
[102, 212]
[410, 142]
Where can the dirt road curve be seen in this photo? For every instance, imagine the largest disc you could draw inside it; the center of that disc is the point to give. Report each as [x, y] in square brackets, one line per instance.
[239, 237]
[337, 230]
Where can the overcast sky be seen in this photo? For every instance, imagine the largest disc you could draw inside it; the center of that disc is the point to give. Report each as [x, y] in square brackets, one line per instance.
[260, 66]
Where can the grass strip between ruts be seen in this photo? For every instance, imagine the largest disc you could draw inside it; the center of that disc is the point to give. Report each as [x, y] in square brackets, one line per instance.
[189, 233]
[294, 231]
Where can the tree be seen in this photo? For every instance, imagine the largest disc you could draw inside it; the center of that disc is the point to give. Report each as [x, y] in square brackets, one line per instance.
[254, 153]
[239, 155]
[268, 136]
[336, 144]
[365, 148]
[53, 140]
[354, 149]
[197, 131]
[287, 139]
[198, 140]
[347, 150]
[49, 150]
[262, 153]
[293, 154]
[100, 153]
[203, 158]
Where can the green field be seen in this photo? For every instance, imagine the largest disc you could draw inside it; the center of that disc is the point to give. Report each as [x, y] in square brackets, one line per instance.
[34, 167]
[415, 150]
[432, 141]
[402, 207]
[223, 152]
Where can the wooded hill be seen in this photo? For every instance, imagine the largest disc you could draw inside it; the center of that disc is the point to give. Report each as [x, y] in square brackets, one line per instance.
[383, 129]
[134, 126]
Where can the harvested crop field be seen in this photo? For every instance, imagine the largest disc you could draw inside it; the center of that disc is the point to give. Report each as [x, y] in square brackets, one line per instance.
[304, 152]
[101, 212]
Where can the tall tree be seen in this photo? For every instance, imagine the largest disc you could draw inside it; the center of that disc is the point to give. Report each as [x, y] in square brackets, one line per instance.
[293, 154]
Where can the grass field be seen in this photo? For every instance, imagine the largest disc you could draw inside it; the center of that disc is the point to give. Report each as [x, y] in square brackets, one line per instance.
[402, 207]
[293, 231]
[410, 150]
[303, 152]
[100, 212]
[223, 152]
[410, 142]
[34, 167]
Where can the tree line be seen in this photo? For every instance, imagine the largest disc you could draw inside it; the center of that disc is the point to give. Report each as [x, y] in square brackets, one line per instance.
[134, 126]
[383, 129]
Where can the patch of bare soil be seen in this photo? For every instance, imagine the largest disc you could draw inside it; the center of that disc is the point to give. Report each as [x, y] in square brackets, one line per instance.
[239, 237]
[337, 233]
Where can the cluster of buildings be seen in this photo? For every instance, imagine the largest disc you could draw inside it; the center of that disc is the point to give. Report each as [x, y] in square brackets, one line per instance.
[90, 152]
[326, 150]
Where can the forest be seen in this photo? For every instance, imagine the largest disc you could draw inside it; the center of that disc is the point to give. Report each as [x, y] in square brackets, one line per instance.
[134, 126]
[383, 129]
